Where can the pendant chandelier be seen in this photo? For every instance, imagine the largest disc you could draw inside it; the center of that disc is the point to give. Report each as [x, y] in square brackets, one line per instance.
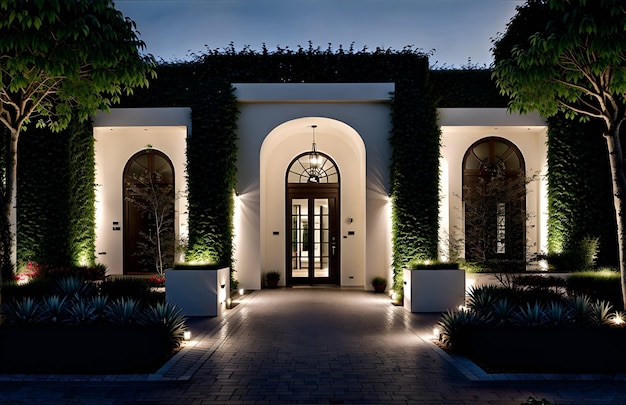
[314, 161]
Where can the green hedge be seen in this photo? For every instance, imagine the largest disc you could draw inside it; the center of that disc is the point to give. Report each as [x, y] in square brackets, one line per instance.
[580, 202]
[55, 196]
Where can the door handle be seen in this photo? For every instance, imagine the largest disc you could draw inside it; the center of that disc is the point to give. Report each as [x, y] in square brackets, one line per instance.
[333, 249]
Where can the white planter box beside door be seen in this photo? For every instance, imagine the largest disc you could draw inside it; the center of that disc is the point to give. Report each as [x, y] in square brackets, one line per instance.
[202, 292]
[433, 290]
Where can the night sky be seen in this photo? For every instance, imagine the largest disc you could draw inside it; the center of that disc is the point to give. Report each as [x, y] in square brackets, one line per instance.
[458, 32]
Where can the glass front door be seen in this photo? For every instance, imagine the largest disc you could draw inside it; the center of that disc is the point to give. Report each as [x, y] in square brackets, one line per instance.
[312, 240]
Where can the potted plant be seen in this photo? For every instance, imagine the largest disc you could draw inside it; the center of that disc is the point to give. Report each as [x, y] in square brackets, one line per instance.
[379, 284]
[272, 278]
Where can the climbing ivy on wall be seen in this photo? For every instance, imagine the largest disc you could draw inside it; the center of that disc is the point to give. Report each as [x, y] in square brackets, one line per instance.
[55, 201]
[579, 184]
[56, 175]
[203, 84]
[415, 145]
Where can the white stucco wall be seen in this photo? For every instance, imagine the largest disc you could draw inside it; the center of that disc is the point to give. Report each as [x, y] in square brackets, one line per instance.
[353, 128]
[118, 136]
[461, 127]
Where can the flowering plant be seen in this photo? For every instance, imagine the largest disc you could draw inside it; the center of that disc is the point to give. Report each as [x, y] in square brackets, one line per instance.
[157, 281]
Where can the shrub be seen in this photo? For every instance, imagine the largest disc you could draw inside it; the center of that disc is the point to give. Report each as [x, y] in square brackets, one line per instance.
[36, 288]
[169, 317]
[418, 264]
[123, 312]
[127, 287]
[26, 311]
[74, 286]
[600, 285]
[65, 304]
[493, 306]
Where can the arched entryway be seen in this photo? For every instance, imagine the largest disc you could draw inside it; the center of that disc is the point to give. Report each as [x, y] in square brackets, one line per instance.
[494, 198]
[312, 220]
[149, 198]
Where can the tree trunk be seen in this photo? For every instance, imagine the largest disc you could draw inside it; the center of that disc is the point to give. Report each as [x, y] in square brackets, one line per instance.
[9, 218]
[618, 178]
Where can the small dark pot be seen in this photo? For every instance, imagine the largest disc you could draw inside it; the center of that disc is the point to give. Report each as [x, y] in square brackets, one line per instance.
[271, 283]
[380, 288]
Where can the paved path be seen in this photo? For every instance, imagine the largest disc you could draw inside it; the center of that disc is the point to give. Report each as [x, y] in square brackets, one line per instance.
[313, 346]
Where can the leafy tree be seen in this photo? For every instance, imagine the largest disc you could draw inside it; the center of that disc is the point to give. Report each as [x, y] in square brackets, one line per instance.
[155, 201]
[569, 56]
[60, 59]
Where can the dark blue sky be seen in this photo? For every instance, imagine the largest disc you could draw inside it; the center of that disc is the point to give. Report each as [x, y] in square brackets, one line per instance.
[457, 30]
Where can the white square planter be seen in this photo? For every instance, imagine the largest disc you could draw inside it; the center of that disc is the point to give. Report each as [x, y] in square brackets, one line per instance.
[198, 292]
[433, 290]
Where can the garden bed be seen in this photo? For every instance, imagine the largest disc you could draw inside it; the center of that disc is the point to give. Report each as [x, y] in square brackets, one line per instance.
[545, 350]
[51, 349]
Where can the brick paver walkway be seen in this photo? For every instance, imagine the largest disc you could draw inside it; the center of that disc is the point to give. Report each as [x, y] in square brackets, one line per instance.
[313, 346]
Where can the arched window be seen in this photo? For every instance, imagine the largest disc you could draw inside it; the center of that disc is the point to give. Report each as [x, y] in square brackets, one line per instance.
[494, 196]
[149, 200]
[312, 168]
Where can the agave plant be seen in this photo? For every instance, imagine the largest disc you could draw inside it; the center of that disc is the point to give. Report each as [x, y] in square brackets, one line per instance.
[53, 309]
[168, 316]
[557, 314]
[76, 287]
[581, 310]
[124, 311]
[529, 315]
[26, 311]
[100, 304]
[481, 299]
[81, 312]
[501, 311]
[452, 324]
[601, 313]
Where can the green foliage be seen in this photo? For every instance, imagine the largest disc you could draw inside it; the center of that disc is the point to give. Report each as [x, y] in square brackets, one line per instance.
[26, 311]
[36, 288]
[452, 324]
[81, 312]
[124, 312]
[580, 258]
[60, 60]
[126, 287]
[54, 309]
[573, 149]
[572, 50]
[493, 306]
[570, 59]
[168, 316]
[418, 264]
[67, 305]
[604, 285]
[376, 281]
[155, 201]
[80, 55]
[75, 287]
[56, 196]
[272, 276]
[196, 266]
[466, 88]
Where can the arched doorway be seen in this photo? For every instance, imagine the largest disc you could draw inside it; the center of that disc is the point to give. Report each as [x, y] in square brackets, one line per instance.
[494, 198]
[312, 220]
[148, 190]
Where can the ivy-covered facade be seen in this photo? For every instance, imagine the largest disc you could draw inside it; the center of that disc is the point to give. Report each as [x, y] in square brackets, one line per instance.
[409, 190]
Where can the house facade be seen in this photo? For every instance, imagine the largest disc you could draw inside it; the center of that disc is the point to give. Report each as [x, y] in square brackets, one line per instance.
[313, 196]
